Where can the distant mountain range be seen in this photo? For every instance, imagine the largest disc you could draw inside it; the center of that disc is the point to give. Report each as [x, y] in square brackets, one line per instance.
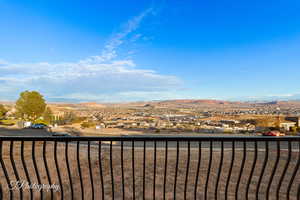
[203, 102]
[175, 102]
[288, 97]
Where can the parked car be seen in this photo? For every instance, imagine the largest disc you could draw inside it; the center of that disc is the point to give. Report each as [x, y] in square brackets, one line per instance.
[61, 134]
[273, 133]
[38, 126]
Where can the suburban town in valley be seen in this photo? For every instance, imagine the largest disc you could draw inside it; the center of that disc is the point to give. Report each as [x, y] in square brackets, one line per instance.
[164, 117]
[150, 99]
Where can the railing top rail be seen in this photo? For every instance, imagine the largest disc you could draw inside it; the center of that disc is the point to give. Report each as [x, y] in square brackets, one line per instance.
[150, 138]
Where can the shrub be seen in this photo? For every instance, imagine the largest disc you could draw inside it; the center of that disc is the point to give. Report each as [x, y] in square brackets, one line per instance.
[3, 111]
[78, 119]
[7, 122]
[40, 121]
[294, 129]
[87, 124]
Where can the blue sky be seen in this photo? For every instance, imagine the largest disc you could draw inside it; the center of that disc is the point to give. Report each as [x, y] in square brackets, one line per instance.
[148, 50]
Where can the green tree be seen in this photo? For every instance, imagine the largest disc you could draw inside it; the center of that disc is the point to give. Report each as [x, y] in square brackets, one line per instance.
[294, 130]
[48, 116]
[30, 105]
[87, 124]
[3, 111]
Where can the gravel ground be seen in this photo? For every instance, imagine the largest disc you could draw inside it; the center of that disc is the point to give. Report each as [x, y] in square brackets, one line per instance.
[149, 172]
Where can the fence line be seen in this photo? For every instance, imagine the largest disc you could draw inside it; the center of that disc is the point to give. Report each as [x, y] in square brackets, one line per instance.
[150, 167]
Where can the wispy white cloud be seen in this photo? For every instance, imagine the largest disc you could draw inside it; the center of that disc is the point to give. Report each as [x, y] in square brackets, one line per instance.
[109, 51]
[124, 96]
[105, 77]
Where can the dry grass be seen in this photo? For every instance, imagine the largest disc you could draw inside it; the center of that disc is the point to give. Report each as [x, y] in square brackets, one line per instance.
[138, 162]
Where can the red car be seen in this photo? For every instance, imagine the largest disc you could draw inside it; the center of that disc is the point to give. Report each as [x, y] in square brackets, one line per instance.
[273, 133]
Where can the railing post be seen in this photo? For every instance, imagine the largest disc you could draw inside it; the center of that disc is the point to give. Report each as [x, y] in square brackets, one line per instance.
[188, 154]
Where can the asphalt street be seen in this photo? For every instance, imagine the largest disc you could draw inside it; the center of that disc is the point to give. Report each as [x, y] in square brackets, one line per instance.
[271, 145]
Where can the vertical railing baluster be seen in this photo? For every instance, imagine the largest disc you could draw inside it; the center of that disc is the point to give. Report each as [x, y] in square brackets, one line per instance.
[209, 168]
[5, 172]
[198, 170]
[68, 168]
[176, 169]
[90, 169]
[79, 170]
[11, 155]
[263, 168]
[47, 169]
[154, 173]
[294, 174]
[58, 171]
[273, 170]
[220, 170]
[230, 169]
[284, 170]
[252, 169]
[100, 170]
[133, 170]
[166, 167]
[35, 167]
[144, 169]
[122, 169]
[111, 171]
[25, 169]
[241, 170]
[298, 193]
[1, 191]
[286, 174]
[187, 170]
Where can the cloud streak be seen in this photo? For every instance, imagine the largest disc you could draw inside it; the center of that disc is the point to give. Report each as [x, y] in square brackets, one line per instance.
[109, 51]
[96, 78]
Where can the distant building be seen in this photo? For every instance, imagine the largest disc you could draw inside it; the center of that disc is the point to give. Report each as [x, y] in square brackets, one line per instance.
[294, 119]
[23, 124]
[287, 125]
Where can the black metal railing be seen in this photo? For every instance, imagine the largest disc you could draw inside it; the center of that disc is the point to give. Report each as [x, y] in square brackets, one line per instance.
[150, 167]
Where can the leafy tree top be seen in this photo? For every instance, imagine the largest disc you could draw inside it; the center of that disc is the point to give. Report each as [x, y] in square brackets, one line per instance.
[31, 105]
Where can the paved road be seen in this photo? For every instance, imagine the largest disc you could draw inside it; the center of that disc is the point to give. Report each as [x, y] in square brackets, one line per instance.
[171, 144]
[23, 132]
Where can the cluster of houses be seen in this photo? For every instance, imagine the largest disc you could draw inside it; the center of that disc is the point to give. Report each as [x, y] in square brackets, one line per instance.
[171, 120]
[190, 123]
[174, 122]
[257, 111]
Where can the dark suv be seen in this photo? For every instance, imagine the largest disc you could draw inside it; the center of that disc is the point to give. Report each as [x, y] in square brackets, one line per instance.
[38, 126]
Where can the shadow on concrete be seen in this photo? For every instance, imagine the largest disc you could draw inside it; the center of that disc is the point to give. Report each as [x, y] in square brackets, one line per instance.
[10, 131]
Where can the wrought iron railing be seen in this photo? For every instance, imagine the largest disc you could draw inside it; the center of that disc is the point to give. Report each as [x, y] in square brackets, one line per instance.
[150, 167]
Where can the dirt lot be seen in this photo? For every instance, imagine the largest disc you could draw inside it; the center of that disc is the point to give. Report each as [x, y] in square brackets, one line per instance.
[76, 130]
[73, 130]
[138, 174]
